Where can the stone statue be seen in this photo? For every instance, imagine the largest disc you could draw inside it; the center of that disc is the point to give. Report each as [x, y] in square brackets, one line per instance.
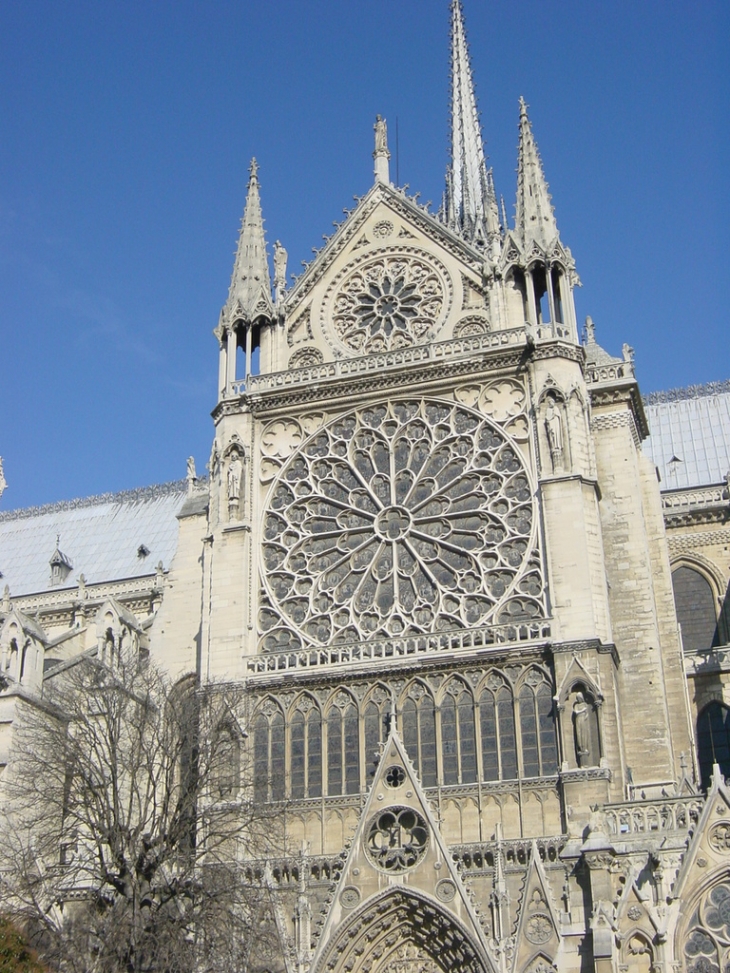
[554, 430]
[582, 730]
[235, 472]
[214, 460]
[381, 136]
[280, 256]
[3, 481]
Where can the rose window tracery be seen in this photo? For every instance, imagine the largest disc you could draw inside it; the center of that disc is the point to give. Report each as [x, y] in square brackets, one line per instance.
[404, 518]
[397, 839]
[389, 302]
[707, 947]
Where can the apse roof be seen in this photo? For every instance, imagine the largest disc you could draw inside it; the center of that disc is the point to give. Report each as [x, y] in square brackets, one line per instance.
[690, 434]
[109, 537]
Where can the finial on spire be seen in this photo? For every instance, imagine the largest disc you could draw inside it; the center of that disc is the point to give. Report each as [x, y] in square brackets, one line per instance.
[535, 220]
[250, 292]
[471, 207]
[381, 153]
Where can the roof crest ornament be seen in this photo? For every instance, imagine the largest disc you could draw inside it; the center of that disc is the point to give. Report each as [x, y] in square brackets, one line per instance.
[381, 155]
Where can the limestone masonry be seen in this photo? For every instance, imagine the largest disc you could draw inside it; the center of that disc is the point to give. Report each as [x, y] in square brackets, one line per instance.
[474, 585]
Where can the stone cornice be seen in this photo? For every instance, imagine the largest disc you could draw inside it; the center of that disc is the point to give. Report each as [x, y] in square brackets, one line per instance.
[696, 505]
[622, 391]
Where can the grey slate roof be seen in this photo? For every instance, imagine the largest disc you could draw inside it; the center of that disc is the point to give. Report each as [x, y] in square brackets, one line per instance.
[100, 536]
[690, 434]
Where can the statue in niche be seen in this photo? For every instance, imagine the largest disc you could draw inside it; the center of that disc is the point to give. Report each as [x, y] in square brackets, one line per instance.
[554, 430]
[280, 257]
[235, 473]
[585, 731]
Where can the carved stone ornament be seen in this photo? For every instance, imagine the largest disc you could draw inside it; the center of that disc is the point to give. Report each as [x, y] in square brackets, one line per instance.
[306, 358]
[634, 913]
[350, 897]
[538, 929]
[445, 890]
[410, 959]
[384, 302]
[383, 229]
[719, 837]
[397, 839]
[281, 438]
[409, 517]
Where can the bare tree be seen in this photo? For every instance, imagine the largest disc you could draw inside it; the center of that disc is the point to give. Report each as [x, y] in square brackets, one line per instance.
[125, 823]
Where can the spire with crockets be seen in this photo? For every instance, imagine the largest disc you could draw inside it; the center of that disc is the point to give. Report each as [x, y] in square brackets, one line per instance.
[534, 217]
[249, 296]
[470, 201]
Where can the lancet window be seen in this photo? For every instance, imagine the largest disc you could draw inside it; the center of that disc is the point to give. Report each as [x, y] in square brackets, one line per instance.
[306, 751]
[269, 754]
[419, 733]
[227, 763]
[539, 749]
[376, 719]
[498, 737]
[458, 736]
[343, 748]
[713, 740]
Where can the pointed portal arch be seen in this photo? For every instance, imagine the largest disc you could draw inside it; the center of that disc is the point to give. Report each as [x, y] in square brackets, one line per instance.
[402, 921]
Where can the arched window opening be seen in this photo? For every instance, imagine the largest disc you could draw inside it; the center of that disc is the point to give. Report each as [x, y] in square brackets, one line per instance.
[557, 280]
[458, 739]
[713, 741]
[306, 754]
[542, 302]
[269, 757]
[343, 751]
[376, 732]
[695, 604]
[537, 728]
[490, 745]
[507, 735]
[419, 735]
[518, 291]
[226, 764]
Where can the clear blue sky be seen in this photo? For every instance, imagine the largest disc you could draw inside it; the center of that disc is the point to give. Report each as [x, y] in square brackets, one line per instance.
[126, 129]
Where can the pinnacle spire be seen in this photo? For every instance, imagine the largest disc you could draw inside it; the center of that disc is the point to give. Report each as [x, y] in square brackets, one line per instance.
[250, 291]
[471, 205]
[534, 219]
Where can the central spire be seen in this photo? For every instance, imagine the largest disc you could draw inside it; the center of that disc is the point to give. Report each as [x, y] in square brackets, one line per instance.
[471, 205]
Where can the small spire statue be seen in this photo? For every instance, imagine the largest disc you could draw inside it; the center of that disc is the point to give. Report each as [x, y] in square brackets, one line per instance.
[3, 481]
[381, 153]
[280, 256]
[190, 475]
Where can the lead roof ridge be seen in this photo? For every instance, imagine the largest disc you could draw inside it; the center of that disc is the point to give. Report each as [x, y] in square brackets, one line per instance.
[138, 494]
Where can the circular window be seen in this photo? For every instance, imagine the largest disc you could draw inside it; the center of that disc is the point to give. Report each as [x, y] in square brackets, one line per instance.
[385, 302]
[404, 518]
[397, 839]
[395, 776]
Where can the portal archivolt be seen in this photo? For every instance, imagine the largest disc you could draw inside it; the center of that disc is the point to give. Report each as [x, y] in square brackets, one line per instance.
[402, 932]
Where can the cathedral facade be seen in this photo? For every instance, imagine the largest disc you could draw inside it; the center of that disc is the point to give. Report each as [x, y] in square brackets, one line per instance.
[433, 548]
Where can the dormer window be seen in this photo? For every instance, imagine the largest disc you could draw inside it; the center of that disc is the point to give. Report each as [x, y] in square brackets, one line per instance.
[61, 565]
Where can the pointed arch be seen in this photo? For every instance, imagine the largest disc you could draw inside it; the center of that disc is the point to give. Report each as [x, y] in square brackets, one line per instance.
[458, 733]
[537, 724]
[418, 724]
[368, 939]
[269, 750]
[713, 740]
[376, 725]
[305, 748]
[343, 744]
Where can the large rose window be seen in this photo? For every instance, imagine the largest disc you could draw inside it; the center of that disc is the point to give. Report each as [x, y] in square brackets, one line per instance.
[389, 302]
[411, 517]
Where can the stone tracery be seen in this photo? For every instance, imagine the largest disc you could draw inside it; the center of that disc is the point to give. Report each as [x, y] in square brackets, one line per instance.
[397, 519]
[390, 301]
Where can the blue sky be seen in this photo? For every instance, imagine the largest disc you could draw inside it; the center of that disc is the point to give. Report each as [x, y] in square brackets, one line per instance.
[127, 129]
